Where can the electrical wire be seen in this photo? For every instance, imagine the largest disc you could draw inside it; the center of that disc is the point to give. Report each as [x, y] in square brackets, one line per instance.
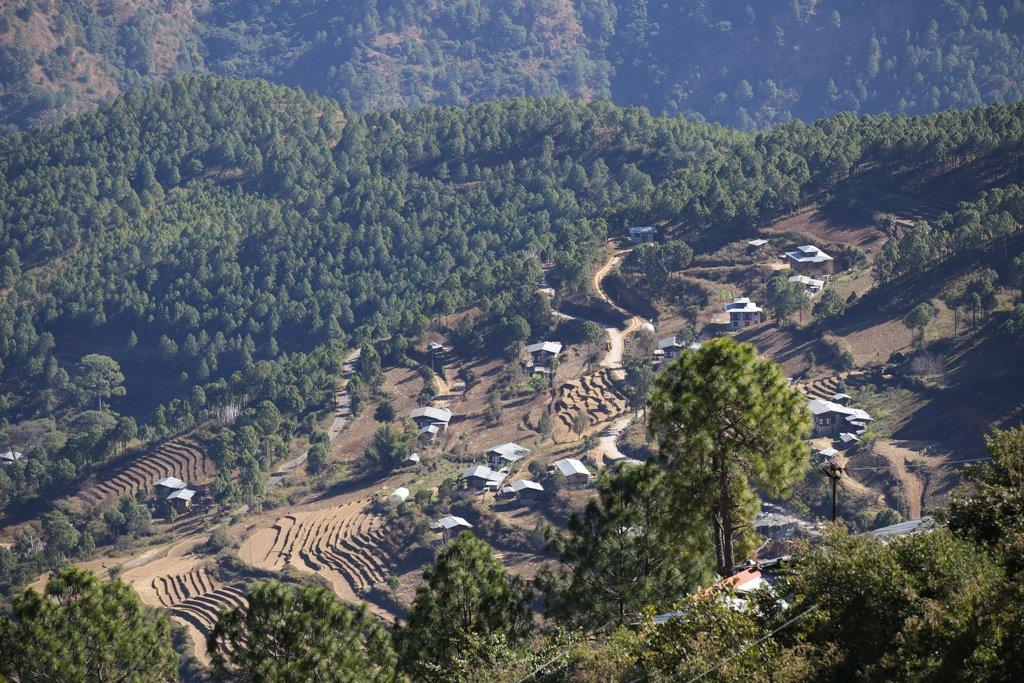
[754, 644]
[939, 464]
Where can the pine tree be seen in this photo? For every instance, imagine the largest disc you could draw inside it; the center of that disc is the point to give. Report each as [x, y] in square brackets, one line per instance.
[726, 421]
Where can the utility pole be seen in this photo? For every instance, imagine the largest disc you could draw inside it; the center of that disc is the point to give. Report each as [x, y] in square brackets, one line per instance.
[834, 468]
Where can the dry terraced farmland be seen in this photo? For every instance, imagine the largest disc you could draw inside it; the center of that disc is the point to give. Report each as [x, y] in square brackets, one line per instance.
[344, 544]
[180, 458]
[597, 397]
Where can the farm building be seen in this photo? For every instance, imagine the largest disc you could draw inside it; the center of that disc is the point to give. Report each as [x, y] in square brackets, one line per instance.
[811, 285]
[181, 499]
[431, 421]
[450, 526]
[506, 455]
[847, 441]
[398, 496]
[809, 260]
[826, 453]
[436, 349]
[743, 313]
[523, 489]
[168, 484]
[11, 457]
[671, 347]
[542, 352]
[411, 459]
[642, 233]
[481, 477]
[833, 419]
[757, 244]
[738, 589]
[841, 399]
[575, 473]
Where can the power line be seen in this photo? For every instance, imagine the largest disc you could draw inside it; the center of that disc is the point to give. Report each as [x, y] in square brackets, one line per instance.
[551, 661]
[939, 464]
[753, 644]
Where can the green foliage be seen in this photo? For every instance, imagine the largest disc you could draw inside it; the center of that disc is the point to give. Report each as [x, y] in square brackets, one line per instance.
[989, 510]
[910, 610]
[369, 366]
[639, 380]
[919, 319]
[709, 635]
[732, 61]
[316, 459]
[628, 549]
[99, 378]
[785, 298]
[465, 599]
[727, 421]
[830, 305]
[84, 629]
[653, 263]
[391, 445]
[300, 633]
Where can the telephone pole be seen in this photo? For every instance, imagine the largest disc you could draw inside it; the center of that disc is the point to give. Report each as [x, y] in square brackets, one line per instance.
[834, 468]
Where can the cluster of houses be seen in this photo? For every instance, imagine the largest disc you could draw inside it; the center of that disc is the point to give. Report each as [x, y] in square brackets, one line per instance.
[176, 492]
[500, 462]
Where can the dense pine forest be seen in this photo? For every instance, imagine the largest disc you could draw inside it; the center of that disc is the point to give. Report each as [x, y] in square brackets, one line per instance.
[737, 62]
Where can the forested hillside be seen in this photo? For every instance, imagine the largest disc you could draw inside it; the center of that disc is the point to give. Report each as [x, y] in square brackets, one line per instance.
[158, 251]
[737, 62]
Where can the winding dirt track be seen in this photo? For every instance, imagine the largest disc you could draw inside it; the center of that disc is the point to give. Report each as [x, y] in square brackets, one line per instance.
[607, 403]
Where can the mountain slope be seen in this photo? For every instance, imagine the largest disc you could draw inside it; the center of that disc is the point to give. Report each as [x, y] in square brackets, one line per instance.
[733, 61]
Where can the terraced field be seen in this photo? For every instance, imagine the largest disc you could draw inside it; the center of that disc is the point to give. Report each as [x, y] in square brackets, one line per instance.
[189, 590]
[598, 397]
[344, 544]
[174, 589]
[200, 611]
[180, 458]
[828, 387]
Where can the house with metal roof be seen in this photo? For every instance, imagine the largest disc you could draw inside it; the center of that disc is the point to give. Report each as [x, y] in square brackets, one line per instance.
[181, 499]
[574, 472]
[811, 285]
[10, 457]
[523, 489]
[810, 260]
[431, 421]
[170, 484]
[833, 419]
[542, 352]
[450, 526]
[506, 455]
[483, 477]
[743, 313]
[642, 233]
[910, 527]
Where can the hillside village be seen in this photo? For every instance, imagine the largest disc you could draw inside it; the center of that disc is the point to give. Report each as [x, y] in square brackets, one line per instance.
[500, 448]
[468, 394]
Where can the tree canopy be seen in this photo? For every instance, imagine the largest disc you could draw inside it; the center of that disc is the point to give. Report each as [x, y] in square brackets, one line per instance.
[727, 421]
[84, 629]
[300, 633]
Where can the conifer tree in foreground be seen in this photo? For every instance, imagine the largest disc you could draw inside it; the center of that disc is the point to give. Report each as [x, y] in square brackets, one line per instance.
[727, 421]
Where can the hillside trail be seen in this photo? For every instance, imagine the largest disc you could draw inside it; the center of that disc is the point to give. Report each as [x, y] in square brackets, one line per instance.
[607, 449]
